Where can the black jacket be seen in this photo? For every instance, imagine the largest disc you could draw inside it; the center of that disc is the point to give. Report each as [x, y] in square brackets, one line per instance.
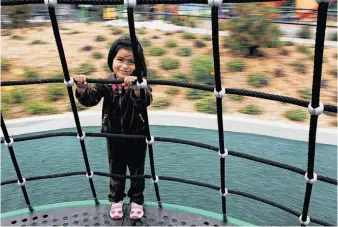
[122, 111]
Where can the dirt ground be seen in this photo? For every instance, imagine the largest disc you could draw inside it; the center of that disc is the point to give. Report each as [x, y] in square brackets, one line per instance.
[44, 58]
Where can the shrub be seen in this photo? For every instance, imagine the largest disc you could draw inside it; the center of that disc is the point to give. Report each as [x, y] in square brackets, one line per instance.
[39, 108]
[173, 91]
[333, 37]
[184, 52]
[55, 93]
[305, 33]
[251, 110]
[100, 38]
[334, 73]
[31, 74]
[227, 42]
[334, 123]
[206, 38]
[37, 42]
[207, 105]
[18, 15]
[17, 37]
[97, 55]
[160, 103]
[170, 63]
[258, 80]
[72, 33]
[17, 95]
[252, 29]
[306, 94]
[168, 33]
[117, 32]
[304, 49]
[145, 43]
[179, 31]
[177, 21]
[199, 44]
[187, 35]
[300, 67]
[236, 65]
[237, 98]
[141, 32]
[180, 76]
[286, 43]
[194, 94]
[6, 33]
[87, 48]
[5, 65]
[157, 51]
[171, 43]
[152, 74]
[202, 69]
[296, 115]
[86, 69]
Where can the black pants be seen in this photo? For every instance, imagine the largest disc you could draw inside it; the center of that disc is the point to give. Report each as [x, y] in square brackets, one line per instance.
[121, 154]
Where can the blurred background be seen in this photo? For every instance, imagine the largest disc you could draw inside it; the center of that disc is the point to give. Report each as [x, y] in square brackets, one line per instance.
[267, 47]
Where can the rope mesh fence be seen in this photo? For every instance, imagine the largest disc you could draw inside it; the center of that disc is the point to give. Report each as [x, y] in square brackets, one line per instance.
[315, 109]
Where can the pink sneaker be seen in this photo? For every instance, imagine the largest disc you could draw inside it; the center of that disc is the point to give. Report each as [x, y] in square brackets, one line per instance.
[136, 211]
[116, 211]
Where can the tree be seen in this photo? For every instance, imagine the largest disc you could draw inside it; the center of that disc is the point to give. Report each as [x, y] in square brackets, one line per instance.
[18, 15]
[253, 29]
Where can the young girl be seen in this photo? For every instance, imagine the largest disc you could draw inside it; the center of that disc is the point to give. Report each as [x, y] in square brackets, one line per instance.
[121, 114]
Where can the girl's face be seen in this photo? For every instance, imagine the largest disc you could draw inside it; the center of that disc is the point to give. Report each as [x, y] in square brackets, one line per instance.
[123, 64]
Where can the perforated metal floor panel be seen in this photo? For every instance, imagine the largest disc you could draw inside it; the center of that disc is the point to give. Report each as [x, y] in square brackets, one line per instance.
[99, 216]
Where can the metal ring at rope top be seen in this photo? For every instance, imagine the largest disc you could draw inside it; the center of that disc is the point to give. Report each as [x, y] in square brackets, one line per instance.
[216, 3]
[51, 3]
[130, 3]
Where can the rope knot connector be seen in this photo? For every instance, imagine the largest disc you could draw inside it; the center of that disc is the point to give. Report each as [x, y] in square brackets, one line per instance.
[225, 192]
[310, 181]
[304, 222]
[224, 155]
[69, 83]
[82, 137]
[151, 141]
[219, 94]
[316, 111]
[91, 175]
[21, 184]
[143, 84]
[156, 179]
[10, 144]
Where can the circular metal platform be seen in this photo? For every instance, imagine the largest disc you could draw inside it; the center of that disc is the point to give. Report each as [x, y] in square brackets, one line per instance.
[85, 213]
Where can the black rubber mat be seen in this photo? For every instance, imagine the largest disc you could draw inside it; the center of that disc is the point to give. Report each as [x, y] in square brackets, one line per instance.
[99, 216]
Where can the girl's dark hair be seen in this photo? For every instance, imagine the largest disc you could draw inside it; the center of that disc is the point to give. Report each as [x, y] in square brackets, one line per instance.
[125, 43]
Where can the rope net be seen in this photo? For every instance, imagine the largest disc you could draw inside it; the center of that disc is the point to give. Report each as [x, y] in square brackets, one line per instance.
[315, 109]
